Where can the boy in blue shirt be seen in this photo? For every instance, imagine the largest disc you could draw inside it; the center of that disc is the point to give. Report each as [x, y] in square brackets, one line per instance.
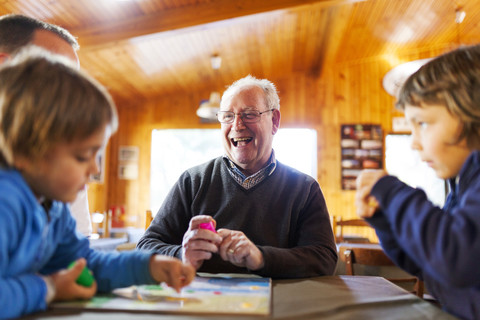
[441, 101]
[54, 121]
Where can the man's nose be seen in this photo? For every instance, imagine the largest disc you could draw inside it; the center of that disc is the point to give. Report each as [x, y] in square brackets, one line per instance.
[238, 121]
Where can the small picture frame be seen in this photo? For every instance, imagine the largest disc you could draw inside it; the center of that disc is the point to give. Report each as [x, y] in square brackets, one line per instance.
[128, 153]
[128, 171]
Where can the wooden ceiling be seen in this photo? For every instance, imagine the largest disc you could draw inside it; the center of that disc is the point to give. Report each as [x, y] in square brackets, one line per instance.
[147, 48]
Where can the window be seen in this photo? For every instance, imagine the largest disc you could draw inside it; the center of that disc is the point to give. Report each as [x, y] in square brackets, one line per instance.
[175, 150]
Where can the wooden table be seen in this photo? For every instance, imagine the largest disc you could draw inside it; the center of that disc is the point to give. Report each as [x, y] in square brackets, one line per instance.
[332, 297]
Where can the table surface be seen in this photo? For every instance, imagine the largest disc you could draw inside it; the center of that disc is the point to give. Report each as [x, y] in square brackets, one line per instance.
[331, 297]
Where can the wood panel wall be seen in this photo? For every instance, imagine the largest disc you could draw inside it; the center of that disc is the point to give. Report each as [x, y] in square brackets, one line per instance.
[350, 92]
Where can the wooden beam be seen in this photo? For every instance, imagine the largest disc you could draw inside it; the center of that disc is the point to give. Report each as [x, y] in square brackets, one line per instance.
[177, 18]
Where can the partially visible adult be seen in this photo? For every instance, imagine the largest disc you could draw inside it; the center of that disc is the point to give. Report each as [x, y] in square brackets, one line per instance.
[17, 32]
[271, 219]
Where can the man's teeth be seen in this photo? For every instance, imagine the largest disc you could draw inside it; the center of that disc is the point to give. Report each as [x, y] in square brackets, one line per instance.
[241, 141]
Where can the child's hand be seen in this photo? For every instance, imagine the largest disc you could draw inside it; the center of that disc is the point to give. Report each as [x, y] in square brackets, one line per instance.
[365, 203]
[66, 286]
[171, 270]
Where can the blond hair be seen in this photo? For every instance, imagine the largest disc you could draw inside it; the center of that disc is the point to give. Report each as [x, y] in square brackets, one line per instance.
[44, 100]
[451, 80]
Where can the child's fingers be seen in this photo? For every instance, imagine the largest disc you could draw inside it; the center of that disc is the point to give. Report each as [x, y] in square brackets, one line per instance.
[76, 269]
[181, 275]
[83, 292]
[188, 272]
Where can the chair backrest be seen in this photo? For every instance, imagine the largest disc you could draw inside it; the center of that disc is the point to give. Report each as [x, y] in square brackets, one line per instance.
[375, 257]
[338, 224]
[148, 218]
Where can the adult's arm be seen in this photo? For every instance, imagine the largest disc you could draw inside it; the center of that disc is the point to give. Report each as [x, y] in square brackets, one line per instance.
[165, 233]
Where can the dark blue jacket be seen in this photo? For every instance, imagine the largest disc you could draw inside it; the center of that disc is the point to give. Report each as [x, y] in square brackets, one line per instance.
[441, 246]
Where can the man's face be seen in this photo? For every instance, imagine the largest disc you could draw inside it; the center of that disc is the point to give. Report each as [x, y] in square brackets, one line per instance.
[55, 44]
[249, 145]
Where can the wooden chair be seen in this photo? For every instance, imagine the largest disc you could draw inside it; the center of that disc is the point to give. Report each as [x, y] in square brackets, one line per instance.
[375, 257]
[132, 245]
[148, 218]
[338, 225]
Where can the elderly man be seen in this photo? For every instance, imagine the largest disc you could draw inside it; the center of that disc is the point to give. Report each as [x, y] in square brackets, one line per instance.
[271, 219]
[17, 32]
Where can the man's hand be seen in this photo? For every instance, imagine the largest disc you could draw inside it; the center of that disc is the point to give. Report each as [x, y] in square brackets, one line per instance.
[365, 203]
[199, 244]
[239, 250]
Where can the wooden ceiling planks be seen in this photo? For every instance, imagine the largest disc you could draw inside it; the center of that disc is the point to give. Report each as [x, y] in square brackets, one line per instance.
[147, 48]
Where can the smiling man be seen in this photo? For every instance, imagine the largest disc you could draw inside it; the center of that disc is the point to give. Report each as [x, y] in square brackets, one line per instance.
[270, 219]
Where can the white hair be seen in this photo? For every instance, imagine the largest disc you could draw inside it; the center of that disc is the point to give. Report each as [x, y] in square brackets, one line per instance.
[271, 95]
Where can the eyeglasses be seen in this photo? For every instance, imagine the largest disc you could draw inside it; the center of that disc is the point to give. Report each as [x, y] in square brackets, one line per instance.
[247, 116]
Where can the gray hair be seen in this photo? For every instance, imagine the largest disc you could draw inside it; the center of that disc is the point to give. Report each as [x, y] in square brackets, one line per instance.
[271, 95]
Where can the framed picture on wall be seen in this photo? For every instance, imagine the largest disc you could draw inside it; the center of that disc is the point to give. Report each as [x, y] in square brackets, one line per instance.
[361, 148]
[128, 153]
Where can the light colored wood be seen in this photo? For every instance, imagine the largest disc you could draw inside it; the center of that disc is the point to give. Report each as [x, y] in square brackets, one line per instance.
[149, 48]
[148, 218]
[340, 226]
[178, 17]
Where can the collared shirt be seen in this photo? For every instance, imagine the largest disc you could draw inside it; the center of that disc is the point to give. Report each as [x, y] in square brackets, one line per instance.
[254, 179]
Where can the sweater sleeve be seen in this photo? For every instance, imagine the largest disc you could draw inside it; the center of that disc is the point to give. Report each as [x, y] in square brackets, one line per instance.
[21, 295]
[443, 243]
[391, 246]
[163, 235]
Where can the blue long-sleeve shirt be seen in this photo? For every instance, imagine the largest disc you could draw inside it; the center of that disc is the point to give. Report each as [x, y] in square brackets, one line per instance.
[441, 246]
[34, 243]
